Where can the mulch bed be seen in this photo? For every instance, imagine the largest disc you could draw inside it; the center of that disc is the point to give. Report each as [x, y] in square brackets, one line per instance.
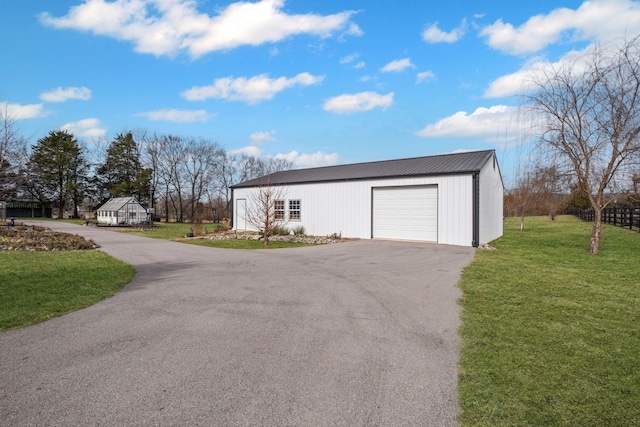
[34, 238]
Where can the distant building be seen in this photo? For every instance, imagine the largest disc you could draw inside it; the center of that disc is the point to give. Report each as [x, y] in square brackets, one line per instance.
[121, 211]
[26, 208]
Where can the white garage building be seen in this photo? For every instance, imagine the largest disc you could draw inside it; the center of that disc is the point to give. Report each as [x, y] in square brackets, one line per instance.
[453, 199]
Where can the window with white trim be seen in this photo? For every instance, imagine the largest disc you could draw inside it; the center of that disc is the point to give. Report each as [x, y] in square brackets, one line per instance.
[279, 209]
[294, 210]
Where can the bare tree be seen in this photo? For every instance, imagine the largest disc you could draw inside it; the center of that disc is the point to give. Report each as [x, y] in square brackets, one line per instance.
[547, 184]
[201, 159]
[265, 210]
[12, 148]
[226, 176]
[522, 197]
[167, 154]
[634, 197]
[151, 156]
[590, 111]
[236, 168]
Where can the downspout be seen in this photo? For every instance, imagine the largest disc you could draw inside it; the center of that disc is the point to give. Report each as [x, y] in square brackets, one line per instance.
[476, 210]
[371, 213]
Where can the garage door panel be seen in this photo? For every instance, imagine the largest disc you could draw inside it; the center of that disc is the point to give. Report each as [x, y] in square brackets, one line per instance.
[409, 213]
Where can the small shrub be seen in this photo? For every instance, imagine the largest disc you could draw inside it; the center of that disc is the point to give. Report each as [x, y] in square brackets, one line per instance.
[298, 230]
[196, 229]
[280, 231]
[220, 227]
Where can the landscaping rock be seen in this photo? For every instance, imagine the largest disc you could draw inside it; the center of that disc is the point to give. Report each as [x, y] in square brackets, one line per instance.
[32, 238]
[310, 240]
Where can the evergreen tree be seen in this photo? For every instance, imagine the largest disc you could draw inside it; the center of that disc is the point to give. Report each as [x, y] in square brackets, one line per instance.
[122, 174]
[59, 168]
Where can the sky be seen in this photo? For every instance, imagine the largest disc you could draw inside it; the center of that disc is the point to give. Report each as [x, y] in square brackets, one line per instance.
[316, 82]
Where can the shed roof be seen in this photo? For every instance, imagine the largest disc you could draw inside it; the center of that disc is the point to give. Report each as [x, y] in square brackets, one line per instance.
[117, 203]
[458, 163]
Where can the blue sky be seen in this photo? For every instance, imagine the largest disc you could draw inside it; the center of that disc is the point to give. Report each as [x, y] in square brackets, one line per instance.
[319, 83]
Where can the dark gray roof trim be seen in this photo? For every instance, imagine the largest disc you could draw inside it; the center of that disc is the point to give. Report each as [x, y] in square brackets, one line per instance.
[445, 164]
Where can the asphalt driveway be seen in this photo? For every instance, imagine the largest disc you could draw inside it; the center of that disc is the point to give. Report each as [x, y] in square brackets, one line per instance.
[359, 333]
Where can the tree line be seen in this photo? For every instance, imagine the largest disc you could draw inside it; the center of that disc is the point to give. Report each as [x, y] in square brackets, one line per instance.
[184, 179]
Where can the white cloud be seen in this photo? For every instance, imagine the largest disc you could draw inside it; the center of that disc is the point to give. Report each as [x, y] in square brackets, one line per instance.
[363, 101]
[425, 75]
[517, 83]
[250, 150]
[352, 30]
[521, 81]
[349, 58]
[62, 94]
[593, 20]
[257, 139]
[300, 160]
[304, 160]
[433, 34]
[21, 112]
[178, 116]
[167, 27]
[260, 138]
[495, 124]
[397, 65]
[250, 90]
[87, 128]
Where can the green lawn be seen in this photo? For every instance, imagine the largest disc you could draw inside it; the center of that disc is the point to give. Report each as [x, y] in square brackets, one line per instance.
[178, 231]
[36, 286]
[244, 244]
[68, 220]
[166, 231]
[551, 335]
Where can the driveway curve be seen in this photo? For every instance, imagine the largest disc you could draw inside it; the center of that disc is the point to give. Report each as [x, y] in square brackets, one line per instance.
[358, 333]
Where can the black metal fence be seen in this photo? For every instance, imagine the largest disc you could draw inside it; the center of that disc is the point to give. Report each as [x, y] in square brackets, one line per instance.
[621, 217]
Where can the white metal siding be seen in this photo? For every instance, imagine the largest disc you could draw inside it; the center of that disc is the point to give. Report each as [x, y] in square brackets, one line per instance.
[408, 213]
[345, 207]
[240, 223]
[491, 201]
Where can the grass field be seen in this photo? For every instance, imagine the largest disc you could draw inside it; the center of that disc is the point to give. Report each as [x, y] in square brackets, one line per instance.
[245, 244]
[178, 231]
[551, 335]
[36, 286]
[163, 230]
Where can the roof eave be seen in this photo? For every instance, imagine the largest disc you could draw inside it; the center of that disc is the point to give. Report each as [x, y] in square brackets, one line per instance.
[366, 178]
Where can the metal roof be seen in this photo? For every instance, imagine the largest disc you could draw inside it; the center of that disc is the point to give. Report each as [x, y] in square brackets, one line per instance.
[116, 203]
[445, 164]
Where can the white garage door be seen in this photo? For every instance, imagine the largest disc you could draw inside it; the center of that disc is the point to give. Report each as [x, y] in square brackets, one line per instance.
[407, 213]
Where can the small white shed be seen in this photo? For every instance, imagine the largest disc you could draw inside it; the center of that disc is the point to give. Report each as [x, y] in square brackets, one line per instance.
[453, 199]
[121, 211]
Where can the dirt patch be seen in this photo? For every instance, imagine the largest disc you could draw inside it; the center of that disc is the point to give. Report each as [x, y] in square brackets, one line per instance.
[34, 238]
